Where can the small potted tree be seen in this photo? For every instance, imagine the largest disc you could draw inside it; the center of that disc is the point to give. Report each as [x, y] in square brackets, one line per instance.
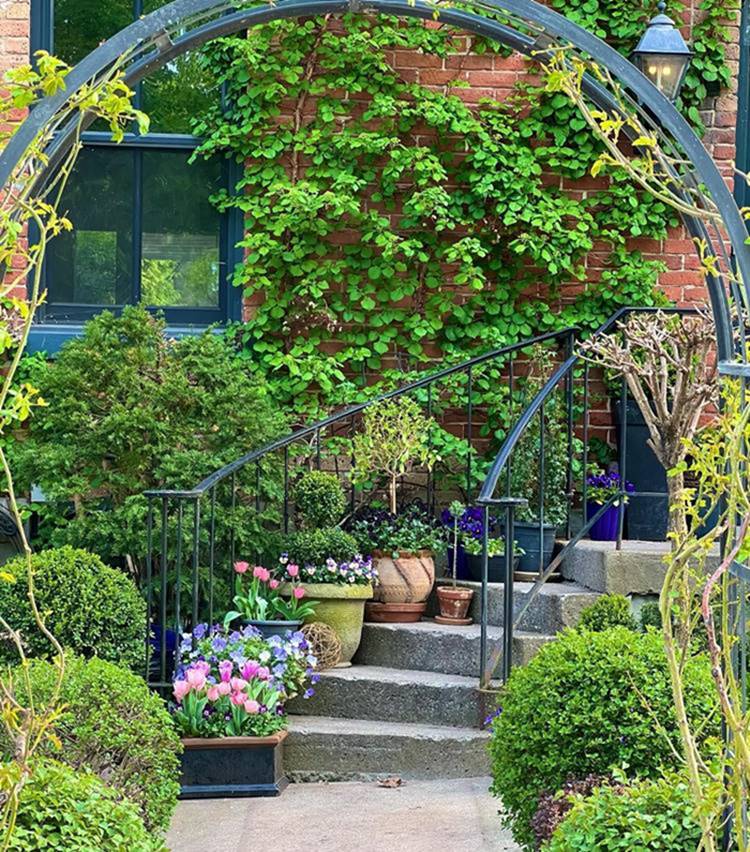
[393, 442]
[454, 600]
[230, 691]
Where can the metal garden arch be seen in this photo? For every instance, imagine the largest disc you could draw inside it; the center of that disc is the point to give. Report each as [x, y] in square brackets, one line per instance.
[523, 25]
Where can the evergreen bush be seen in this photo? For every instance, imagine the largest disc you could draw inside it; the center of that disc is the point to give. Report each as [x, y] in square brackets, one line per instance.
[608, 611]
[90, 608]
[319, 499]
[578, 708]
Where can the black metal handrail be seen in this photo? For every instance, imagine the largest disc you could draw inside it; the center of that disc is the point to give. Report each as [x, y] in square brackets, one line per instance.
[183, 539]
[510, 503]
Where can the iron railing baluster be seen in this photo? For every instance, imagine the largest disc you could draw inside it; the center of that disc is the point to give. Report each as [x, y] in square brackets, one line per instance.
[469, 430]
[149, 582]
[212, 557]
[569, 348]
[178, 572]
[542, 487]
[196, 560]
[164, 589]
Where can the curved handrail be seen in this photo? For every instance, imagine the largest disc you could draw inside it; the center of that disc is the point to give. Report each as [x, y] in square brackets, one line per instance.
[306, 431]
[511, 502]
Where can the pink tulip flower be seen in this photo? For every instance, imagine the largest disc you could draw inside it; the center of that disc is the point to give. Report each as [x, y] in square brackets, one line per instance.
[225, 670]
[238, 698]
[292, 570]
[261, 573]
[238, 684]
[202, 666]
[224, 688]
[263, 673]
[241, 567]
[274, 584]
[298, 592]
[196, 679]
[181, 689]
[250, 669]
[213, 693]
[252, 707]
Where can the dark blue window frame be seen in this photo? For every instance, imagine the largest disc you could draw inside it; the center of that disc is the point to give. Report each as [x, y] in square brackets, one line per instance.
[60, 321]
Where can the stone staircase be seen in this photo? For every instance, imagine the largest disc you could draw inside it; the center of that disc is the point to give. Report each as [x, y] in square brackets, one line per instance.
[410, 705]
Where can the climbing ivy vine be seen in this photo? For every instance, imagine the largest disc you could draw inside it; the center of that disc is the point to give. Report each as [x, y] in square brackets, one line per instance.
[388, 223]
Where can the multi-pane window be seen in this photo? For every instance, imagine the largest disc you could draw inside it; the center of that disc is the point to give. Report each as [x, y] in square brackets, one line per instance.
[144, 228]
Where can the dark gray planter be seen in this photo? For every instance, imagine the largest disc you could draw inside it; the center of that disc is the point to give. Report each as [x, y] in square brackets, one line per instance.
[274, 628]
[527, 538]
[495, 567]
[225, 767]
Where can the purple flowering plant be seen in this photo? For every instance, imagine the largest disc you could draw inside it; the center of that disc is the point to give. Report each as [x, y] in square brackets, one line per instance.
[236, 683]
[355, 571]
[600, 486]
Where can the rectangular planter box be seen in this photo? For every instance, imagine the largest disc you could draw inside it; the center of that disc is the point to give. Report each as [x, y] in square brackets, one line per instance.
[232, 767]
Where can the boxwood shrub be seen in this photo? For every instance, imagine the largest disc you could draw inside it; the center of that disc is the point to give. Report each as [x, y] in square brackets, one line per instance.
[608, 611]
[578, 708]
[61, 810]
[319, 499]
[116, 727]
[313, 547]
[89, 607]
[655, 815]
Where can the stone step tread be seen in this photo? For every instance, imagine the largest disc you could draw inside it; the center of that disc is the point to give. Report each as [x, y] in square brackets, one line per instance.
[551, 589]
[403, 677]
[469, 632]
[301, 725]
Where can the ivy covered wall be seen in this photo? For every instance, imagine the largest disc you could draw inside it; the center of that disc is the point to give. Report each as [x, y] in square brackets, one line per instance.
[412, 194]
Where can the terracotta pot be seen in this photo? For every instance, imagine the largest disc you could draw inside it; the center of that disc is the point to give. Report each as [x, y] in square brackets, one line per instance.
[407, 579]
[232, 766]
[454, 604]
[384, 613]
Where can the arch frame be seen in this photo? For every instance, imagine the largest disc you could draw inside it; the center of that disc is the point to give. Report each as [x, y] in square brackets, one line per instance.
[146, 45]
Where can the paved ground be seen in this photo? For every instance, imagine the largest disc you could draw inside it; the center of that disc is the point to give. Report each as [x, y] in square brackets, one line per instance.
[420, 816]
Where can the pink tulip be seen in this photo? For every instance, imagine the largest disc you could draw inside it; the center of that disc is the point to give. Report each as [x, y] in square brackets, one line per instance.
[238, 698]
[241, 567]
[224, 688]
[261, 573]
[274, 584]
[225, 670]
[238, 684]
[202, 666]
[298, 592]
[181, 689]
[196, 679]
[213, 693]
[263, 673]
[250, 669]
[292, 570]
[252, 707]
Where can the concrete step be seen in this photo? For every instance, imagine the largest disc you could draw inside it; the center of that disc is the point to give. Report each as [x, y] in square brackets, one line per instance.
[637, 569]
[321, 748]
[397, 695]
[558, 605]
[433, 647]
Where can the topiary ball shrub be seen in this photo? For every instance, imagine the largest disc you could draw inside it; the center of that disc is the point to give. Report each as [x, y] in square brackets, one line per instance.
[116, 727]
[650, 616]
[319, 499]
[654, 815]
[61, 810]
[577, 708]
[313, 547]
[606, 612]
[90, 608]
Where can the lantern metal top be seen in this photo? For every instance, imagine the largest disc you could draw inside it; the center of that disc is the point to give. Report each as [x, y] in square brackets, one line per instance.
[662, 37]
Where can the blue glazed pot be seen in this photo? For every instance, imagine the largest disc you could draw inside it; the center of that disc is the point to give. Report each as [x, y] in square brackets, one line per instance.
[605, 529]
[274, 628]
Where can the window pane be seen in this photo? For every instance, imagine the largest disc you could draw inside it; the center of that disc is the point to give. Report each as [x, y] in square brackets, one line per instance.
[93, 264]
[81, 25]
[180, 250]
[178, 94]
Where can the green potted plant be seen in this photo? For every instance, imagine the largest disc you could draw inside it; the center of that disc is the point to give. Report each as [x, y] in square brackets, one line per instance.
[394, 441]
[263, 604]
[495, 558]
[230, 691]
[327, 560]
[454, 600]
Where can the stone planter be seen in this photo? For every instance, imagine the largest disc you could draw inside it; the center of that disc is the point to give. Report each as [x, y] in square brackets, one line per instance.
[343, 609]
[224, 767]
